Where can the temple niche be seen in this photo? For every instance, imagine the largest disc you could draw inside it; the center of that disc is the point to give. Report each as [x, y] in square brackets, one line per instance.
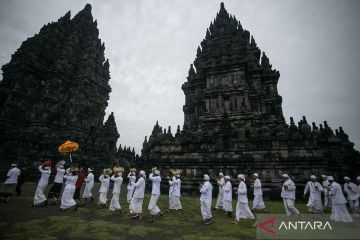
[233, 120]
[56, 87]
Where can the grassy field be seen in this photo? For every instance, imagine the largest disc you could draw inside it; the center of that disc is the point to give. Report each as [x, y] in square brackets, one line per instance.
[20, 221]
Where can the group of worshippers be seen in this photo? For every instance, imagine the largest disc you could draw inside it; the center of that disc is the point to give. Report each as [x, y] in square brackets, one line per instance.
[333, 197]
[74, 177]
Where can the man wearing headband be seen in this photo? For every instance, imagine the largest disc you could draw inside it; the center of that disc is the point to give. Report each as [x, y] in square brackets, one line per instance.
[315, 189]
[326, 187]
[104, 187]
[220, 197]
[154, 210]
[117, 179]
[242, 206]
[9, 187]
[352, 195]
[227, 204]
[39, 198]
[288, 195]
[67, 198]
[339, 212]
[89, 184]
[55, 190]
[258, 203]
[205, 200]
[136, 203]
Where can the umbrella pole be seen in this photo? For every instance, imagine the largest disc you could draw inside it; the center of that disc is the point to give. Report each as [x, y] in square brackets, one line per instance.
[70, 158]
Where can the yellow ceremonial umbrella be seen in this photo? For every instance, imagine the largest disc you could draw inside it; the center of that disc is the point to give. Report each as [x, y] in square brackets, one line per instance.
[68, 147]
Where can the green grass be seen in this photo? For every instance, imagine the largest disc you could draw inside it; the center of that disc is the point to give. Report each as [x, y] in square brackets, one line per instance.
[20, 221]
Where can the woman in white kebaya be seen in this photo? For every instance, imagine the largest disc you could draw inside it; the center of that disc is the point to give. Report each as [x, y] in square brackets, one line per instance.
[154, 210]
[177, 191]
[171, 191]
[67, 198]
[89, 184]
[117, 179]
[104, 187]
[40, 198]
[227, 203]
[55, 190]
[131, 185]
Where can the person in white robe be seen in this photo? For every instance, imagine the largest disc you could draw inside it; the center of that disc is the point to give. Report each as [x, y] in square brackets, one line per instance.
[227, 200]
[177, 192]
[339, 212]
[55, 190]
[40, 198]
[242, 207]
[117, 179]
[352, 195]
[326, 186]
[206, 199]
[258, 203]
[131, 184]
[67, 198]
[220, 197]
[89, 184]
[9, 186]
[171, 190]
[136, 203]
[314, 189]
[154, 210]
[288, 195]
[104, 187]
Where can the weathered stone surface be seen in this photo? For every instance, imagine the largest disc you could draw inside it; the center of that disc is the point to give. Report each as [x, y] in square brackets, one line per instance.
[55, 88]
[233, 119]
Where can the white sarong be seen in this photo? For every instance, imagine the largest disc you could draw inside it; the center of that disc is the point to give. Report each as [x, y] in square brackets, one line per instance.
[67, 199]
[227, 206]
[102, 198]
[153, 208]
[175, 203]
[339, 213]
[115, 204]
[88, 190]
[243, 211]
[315, 206]
[40, 197]
[289, 206]
[258, 202]
[205, 210]
[220, 201]
[136, 205]
[130, 192]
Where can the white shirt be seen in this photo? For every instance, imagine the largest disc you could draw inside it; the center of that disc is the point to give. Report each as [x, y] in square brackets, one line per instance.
[336, 195]
[139, 188]
[132, 178]
[117, 183]
[60, 172]
[12, 176]
[45, 174]
[155, 183]
[351, 191]
[70, 181]
[242, 193]
[206, 192]
[290, 191]
[257, 188]
[221, 183]
[227, 191]
[177, 186]
[89, 178]
[315, 190]
[105, 181]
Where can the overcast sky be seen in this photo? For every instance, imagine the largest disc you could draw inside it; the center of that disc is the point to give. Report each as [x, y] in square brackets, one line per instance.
[150, 44]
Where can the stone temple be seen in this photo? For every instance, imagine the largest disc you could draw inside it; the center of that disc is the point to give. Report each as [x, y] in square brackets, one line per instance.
[56, 87]
[233, 120]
